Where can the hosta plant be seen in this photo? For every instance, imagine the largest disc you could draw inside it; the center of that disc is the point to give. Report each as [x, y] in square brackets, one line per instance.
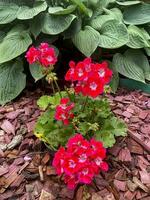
[89, 25]
[78, 118]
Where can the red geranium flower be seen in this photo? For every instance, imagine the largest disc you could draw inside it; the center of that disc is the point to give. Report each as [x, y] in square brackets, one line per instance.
[71, 181]
[45, 55]
[58, 160]
[32, 55]
[63, 111]
[93, 88]
[70, 73]
[48, 57]
[86, 174]
[81, 161]
[103, 71]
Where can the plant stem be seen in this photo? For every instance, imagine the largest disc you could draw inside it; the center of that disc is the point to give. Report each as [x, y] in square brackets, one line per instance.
[84, 104]
[67, 93]
[53, 88]
[58, 88]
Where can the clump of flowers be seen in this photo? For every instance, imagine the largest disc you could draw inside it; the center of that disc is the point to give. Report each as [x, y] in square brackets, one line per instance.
[44, 55]
[89, 78]
[63, 111]
[80, 161]
[68, 112]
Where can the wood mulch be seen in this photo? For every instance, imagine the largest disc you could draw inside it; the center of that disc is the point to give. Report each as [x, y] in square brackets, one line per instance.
[25, 163]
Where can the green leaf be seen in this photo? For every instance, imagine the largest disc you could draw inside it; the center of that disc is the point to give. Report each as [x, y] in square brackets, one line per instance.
[115, 13]
[36, 24]
[36, 71]
[14, 44]
[54, 25]
[52, 132]
[73, 29]
[119, 127]
[113, 34]
[127, 3]
[26, 12]
[61, 11]
[12, 81]
[82, 7]
[147, 51]
[112, 14]
[44, 101]
[97, 22]
[8, 13]
[112, 127]
[86, 40]
[107, 138]
[115, 79]
[137, 14]
[114, 82]
[141, 60]
[138, 38]
[130, 65]
[106, 3]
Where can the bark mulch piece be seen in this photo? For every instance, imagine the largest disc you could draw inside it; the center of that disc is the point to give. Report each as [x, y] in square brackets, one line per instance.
[25, 163]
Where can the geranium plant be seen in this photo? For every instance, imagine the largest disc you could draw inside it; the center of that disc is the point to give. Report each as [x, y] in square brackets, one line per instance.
[78, 121]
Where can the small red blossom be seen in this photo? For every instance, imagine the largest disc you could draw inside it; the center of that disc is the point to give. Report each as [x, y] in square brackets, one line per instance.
[58, 161]
[80, 161]
[48, 57]
[32, 55]
[64, 111]
[44, 54]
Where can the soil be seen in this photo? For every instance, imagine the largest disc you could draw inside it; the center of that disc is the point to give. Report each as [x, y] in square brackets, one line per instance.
[25, 163]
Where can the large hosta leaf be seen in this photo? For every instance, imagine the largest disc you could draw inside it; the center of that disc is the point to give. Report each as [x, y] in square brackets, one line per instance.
[137, 14]
[61, 11]
[36, 24]
[26, 12]
[12, 81]
[133, 64]
[141, 60]
[112, 14]
[105, 3]
[18, 2]
[127, 3]
[54, 25]
[138, 38]
[86, 40]
[14, 44]
[8, 13]
[113, 34]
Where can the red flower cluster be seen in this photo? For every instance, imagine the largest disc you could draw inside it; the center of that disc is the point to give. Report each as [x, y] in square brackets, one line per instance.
[81, 161]
[45, 55]
[63, 111]
[90, 77]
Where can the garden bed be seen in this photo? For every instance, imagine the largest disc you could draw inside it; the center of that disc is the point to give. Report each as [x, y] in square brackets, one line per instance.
[25, 163]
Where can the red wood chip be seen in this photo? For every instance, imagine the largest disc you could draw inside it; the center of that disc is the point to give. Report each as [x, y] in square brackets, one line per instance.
[143, 114]
[8, 127]
[129, 195]
[30, 126]
[124, 155]
[3, 170]
[120, 185]
[145, 177]
[127, 114]
[14, 114]
[145, 129]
